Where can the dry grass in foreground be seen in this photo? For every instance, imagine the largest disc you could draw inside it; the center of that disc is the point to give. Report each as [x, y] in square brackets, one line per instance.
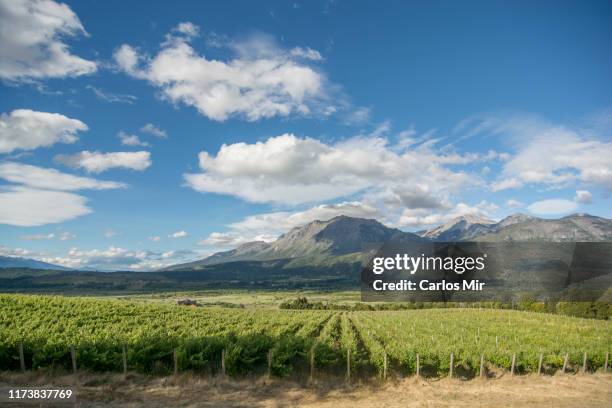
[111, 390]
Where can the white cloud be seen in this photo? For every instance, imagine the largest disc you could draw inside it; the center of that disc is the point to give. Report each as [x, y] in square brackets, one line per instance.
[359, 116]
[154, 130]
[268, 226]
[128, 59]
[32, 43]
[415, 197]
[42, 196]
[291, 170]
[117, 258]
[131, 140]
[38, 237]
[187, 28]
[228, 239]
[51, 179]
[583, 197]
[66, 236]
[552, 206]
[421, 217]
[306, 53]
[109, 233]
[27, 207]
[15, 252]
[549, 154]
[178, 234]
[112, 97]
[260, 81]
[62, 236]
[155, 238]
[26, 129]
[512, 203]
[97, 162]
[505, 184]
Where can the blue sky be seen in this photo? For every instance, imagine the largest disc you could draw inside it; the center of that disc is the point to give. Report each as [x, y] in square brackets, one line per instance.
[134, 137]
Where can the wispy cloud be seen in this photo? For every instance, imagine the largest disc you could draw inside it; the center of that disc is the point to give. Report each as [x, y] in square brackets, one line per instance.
[112, 97]
[98, 162]
[38, 196]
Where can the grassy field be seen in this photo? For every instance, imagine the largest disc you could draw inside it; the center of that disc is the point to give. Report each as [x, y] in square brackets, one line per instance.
[152, 330]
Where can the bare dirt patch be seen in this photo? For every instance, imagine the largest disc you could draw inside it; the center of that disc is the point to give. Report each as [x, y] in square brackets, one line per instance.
[111, 390]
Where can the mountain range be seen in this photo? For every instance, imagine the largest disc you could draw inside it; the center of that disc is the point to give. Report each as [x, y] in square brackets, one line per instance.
[345, 240]
[349, 239]
[342, 239]
[15, 262]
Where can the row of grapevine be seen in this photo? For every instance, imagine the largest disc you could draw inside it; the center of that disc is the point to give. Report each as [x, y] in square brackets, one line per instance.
[154, 336]
[498, 335]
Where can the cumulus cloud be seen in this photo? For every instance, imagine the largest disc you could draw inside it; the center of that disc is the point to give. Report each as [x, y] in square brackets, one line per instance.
[41, 196]
[290, 170]
[260, 80]
[26, 129]
[154, 131]
[131, 140]
[583, 197]
[268, 226]
[178, 234]
[15, 252]
[97, 162]
[418, 196]
[32, 43]
[548, 154]
[155, 238]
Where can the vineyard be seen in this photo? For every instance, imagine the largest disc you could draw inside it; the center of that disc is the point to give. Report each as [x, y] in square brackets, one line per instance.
[111, 335]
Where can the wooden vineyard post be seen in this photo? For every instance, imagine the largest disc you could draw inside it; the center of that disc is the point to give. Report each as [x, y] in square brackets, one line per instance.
[418, 365]
[175, 360]
[348, 365]
[385, 367]
[21, 357]
[565, 363]
[269, 364]
[481, 365]
[513, 364]
[312, 363]
[540, 363]
[124, 352]
[73, 358]
[584, 363]
[606, 362]
[223, 362]
[452, 363]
